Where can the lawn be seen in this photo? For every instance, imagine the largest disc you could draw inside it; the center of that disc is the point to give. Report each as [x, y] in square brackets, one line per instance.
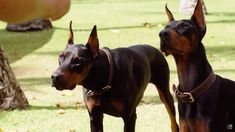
[33, 57]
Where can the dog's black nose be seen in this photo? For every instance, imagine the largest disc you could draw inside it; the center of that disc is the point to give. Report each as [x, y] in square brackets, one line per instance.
[164, 34]
[56, 77]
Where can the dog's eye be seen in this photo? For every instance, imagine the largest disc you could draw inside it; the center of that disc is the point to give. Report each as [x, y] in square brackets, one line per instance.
[76, 67]
[78, 60]
[183, 26]
[77, 64]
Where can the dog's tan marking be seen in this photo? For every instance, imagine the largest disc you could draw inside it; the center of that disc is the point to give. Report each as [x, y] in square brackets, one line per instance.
[183, 126]
[72, 78]
[180, 42]
[193, 125]
[118, 105]
[90, 103]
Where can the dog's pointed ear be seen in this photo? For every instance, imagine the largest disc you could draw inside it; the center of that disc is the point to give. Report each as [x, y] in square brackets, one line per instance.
[70, 39]
[198, 18]
[169, 14]
[93, 42]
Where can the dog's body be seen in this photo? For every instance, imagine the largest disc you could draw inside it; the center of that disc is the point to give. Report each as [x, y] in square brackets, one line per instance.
[206, 102]
[126, 70]
[134, 68]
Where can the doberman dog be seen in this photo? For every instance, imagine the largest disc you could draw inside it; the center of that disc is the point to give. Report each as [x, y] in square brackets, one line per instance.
[114, 80]
[206, 101]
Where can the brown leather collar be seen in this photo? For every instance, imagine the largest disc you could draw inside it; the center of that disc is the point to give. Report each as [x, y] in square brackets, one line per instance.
[108, 86]
[189, 97]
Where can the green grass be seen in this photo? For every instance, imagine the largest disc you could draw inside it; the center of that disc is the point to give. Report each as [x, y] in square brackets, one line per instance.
[33, 57]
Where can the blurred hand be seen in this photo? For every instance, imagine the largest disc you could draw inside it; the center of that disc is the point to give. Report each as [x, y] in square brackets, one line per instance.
[18, 11]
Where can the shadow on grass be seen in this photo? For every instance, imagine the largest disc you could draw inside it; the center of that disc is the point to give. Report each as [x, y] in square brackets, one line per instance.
[30, 83]
[53, 53]
[222, 21]
[17, 45]
[232, 14]
[226, 70]
[222, 51]
[36, 107]
[145, 25]
[217, 49]
[35, 81]
[147, 100]
[222, 15]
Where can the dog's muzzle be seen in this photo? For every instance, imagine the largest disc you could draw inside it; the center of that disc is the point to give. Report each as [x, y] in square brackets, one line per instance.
[59, 82]
[55, 78]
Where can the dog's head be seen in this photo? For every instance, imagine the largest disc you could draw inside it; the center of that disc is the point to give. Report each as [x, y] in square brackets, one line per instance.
[182, 36]
[75, 62]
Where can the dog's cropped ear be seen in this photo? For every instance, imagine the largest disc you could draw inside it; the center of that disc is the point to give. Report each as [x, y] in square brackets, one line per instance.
[93, 42]
[169, 14]
[70, 39]
[198, 18]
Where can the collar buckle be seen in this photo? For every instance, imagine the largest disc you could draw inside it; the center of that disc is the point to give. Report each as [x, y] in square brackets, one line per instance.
[190, 97]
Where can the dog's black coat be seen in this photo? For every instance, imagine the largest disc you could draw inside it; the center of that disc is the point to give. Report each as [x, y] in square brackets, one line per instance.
[133, 68]
[214, 110]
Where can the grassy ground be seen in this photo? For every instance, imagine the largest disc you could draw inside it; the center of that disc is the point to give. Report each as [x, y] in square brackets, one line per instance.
[33, 57]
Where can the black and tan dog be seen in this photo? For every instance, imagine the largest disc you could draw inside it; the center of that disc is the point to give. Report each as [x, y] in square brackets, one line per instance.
[206, 101]
[114, 80]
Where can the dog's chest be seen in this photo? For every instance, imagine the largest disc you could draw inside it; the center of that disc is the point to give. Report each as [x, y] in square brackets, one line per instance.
[109, 106]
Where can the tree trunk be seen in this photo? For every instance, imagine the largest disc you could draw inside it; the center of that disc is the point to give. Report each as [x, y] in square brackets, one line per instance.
[11, 96]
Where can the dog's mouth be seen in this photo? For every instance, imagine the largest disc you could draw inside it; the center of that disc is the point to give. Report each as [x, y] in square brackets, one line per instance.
[164, 47]
[63, 86]
[167, 48]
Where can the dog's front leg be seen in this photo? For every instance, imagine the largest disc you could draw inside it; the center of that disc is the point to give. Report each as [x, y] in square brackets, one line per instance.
[129, 122]
[96, 121]
[95, 112]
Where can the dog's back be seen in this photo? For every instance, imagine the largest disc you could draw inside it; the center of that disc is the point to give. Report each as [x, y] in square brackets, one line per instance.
[140, 62]
[144, 60]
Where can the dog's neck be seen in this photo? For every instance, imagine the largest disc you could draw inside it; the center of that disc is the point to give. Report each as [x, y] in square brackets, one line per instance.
[98, 75]
[192, 68]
